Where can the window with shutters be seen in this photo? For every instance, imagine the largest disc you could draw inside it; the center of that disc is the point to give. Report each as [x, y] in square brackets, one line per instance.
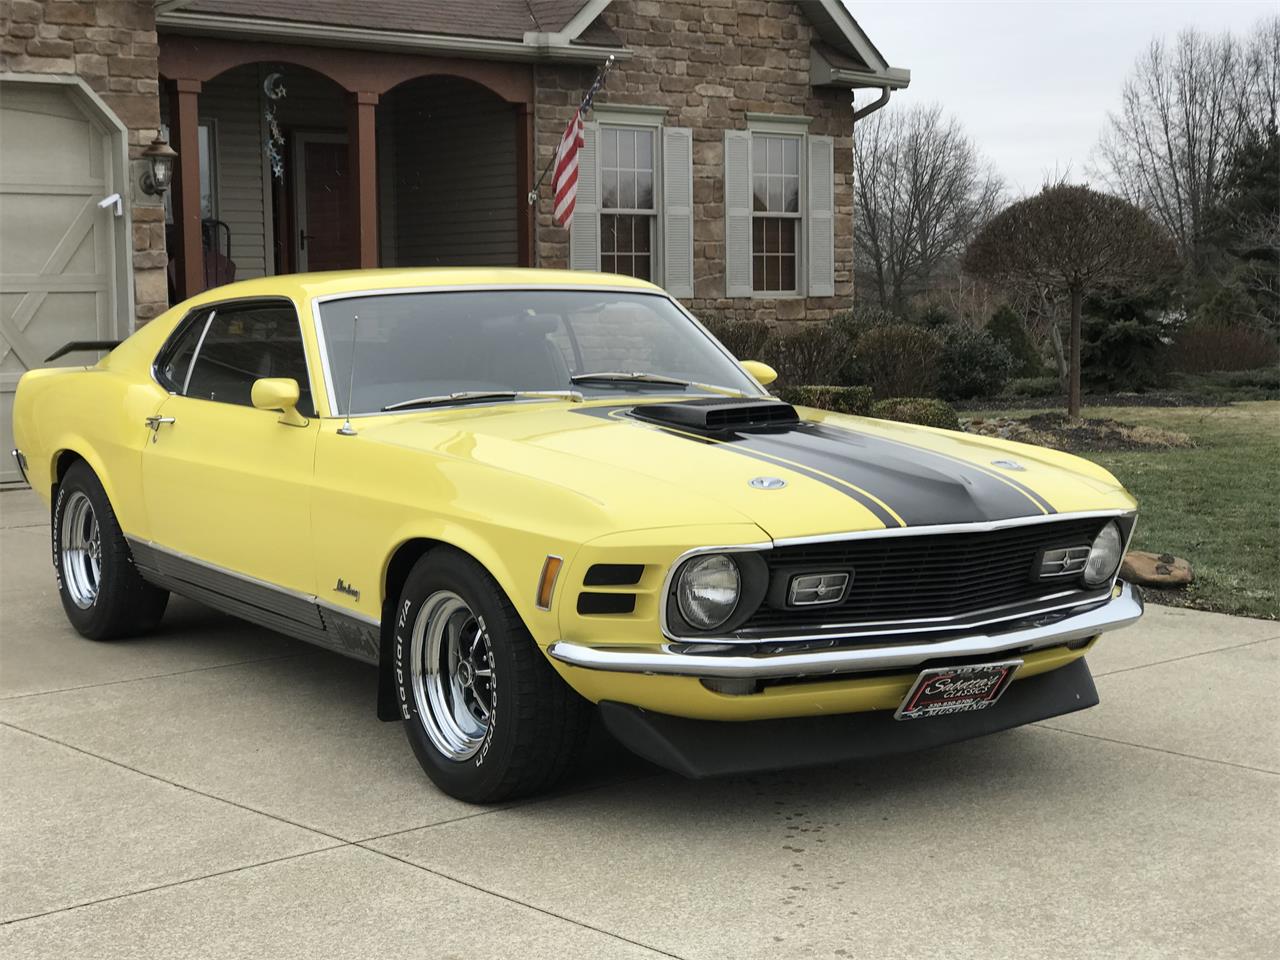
[776, 217]
[628, 205]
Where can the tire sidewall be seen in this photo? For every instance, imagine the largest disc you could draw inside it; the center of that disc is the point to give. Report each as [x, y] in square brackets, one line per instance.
[476, 775]
[81, 480]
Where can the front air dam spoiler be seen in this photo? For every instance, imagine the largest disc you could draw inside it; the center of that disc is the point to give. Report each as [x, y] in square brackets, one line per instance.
[710, 748]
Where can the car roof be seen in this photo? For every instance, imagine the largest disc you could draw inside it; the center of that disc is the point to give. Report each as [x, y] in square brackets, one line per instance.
[300, 286]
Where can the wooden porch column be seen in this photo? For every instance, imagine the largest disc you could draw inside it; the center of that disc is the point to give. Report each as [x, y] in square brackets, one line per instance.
[363, 161]
[184, 126]
[526, 214]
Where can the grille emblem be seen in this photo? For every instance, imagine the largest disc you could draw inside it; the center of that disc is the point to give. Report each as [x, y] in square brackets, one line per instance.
[767, 483]
[1063, 562]
[814, 589]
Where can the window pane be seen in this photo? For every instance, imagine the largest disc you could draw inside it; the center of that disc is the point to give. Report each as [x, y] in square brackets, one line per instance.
[644, 191]
[608, 264]
[775, 154]
[608, 147]
[644, 149]
[627, 148]
[786, 235]
[244, 344]
[627, 189]
[608, 233]
[791, 198]
[791, 156]
[757, 234]
[643, 234]
[787, 279]
[759, 155]
[775, 195]
[642, 269]
[609, 190]
[760, 194]
[757, 273]
[771, 279]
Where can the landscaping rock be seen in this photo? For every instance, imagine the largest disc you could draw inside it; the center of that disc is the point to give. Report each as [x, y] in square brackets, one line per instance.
[1155, 569]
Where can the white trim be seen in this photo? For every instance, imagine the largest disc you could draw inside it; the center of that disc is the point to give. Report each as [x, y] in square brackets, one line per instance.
[777, 123]
[255, 28]
[622, 114]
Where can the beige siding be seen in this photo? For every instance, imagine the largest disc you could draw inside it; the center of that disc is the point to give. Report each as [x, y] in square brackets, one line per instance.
[232, 101]
[455, 175]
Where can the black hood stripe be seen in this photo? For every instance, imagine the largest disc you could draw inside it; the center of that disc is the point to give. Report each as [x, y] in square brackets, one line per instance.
[900, 483]
[841, 431]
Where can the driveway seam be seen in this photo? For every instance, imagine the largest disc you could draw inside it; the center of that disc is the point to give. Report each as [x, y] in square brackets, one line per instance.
[174, 783]
[1187, 656]
[1172, 753]
[155, 676]
[521, 903]
[174, 883]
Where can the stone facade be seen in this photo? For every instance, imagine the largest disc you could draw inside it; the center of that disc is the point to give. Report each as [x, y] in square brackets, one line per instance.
[113, 47]
[709, 63]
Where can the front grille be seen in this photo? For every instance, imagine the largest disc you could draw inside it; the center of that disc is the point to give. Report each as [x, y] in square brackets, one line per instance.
[919, 577]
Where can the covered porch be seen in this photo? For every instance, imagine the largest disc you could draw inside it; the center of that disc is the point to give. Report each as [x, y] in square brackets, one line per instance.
[296, 158]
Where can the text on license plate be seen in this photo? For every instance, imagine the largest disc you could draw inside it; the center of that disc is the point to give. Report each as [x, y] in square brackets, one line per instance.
[942, 690]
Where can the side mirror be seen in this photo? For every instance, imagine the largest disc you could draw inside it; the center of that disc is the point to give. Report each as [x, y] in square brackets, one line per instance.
[763, 373]
[279, 393]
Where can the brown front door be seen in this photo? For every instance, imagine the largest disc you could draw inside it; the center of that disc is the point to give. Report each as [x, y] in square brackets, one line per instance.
[322, 186]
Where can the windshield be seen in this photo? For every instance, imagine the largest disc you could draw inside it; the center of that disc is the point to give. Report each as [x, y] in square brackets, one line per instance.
[431, 345]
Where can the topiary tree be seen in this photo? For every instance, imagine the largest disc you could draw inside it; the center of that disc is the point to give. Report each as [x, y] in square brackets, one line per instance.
[1075, 240]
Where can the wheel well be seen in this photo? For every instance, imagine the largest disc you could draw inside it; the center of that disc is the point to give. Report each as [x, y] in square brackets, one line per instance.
[398, 568]
[63, 463]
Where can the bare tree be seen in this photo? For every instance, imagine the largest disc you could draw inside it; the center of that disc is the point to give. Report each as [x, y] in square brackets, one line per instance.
[1184, 111]
[1072, 240]
[922, 190]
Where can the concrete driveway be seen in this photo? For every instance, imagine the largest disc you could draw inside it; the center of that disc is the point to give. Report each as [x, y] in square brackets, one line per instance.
[215, 790]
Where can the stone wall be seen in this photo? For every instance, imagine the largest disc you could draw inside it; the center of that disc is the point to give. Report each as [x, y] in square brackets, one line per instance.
[113, 47]
[709, 63]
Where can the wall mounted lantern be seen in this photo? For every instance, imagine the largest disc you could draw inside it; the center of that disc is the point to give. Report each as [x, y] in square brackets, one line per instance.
[159, 175]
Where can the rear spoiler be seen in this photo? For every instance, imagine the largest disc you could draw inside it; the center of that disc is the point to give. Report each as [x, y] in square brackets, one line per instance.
[75, 346]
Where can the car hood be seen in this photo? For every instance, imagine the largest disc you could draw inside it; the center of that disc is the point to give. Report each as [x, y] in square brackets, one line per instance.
[826, 474]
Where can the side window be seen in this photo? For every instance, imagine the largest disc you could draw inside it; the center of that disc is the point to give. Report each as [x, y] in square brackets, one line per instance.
[246, 342]
[174, 362]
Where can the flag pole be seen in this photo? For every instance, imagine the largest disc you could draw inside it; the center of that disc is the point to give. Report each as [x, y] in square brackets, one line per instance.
[583, 108]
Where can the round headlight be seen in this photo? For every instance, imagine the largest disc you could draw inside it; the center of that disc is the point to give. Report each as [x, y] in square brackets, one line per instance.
[707, 591]
[1104, 556]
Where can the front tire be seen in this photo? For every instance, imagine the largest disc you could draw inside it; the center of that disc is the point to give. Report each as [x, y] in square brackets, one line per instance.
[104, 596]
[486, 715]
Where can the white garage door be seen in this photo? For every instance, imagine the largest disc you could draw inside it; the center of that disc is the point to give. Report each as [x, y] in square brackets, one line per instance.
[58, 248]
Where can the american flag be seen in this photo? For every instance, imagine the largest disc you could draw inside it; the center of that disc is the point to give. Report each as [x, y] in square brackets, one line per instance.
[565, 182]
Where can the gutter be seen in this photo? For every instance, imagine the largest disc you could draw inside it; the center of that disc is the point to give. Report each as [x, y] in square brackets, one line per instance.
[319, 34]
[875, 105]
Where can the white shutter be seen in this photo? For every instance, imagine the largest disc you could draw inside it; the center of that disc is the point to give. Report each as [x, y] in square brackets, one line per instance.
[584, 232]
[737, 213]
[677, 211]
[821, 217]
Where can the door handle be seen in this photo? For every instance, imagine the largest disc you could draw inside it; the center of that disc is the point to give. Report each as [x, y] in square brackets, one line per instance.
[153, 424]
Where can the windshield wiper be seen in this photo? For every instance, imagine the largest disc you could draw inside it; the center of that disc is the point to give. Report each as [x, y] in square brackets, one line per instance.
[480, 396]
[618, 376]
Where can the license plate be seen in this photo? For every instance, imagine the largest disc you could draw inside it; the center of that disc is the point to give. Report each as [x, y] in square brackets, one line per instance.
[943, 690]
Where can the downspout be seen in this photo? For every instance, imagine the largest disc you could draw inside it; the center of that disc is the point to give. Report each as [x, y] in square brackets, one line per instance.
[871, 108]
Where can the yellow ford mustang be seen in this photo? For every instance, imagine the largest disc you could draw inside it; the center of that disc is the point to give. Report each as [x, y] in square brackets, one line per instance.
[523, 492]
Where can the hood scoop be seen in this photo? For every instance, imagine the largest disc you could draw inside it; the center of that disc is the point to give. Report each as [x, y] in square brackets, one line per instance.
[719, 415]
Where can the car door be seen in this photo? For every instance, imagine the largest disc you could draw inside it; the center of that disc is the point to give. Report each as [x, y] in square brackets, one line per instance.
[226, 484]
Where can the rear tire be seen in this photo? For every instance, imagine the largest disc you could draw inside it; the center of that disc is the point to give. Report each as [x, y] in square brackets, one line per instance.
[486, 715]
[104, 596]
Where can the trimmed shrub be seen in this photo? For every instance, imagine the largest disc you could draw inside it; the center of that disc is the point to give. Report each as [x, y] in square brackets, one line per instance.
[898, 359]
[813, 352]
[853, 400]
[1033, 387]
[1006, 328]
[971, 364]
[1201, 348]
[922, 410]
[745, 339]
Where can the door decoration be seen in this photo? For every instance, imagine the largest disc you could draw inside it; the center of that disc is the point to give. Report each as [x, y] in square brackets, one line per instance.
[273, 88]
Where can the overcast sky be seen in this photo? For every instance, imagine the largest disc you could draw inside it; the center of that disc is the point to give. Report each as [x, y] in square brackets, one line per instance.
[1032, 80]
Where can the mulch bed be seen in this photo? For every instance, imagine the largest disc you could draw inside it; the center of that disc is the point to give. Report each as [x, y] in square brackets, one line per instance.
[1060, 432]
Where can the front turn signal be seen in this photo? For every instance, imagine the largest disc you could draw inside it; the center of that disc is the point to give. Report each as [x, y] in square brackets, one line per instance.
[547, 582]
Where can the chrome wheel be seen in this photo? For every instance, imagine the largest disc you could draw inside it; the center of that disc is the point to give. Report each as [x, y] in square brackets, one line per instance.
[453, 681]
[80, 545]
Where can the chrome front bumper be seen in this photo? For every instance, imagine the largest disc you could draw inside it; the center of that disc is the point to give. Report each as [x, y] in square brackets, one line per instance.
[21, 461]
[1123, 609]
